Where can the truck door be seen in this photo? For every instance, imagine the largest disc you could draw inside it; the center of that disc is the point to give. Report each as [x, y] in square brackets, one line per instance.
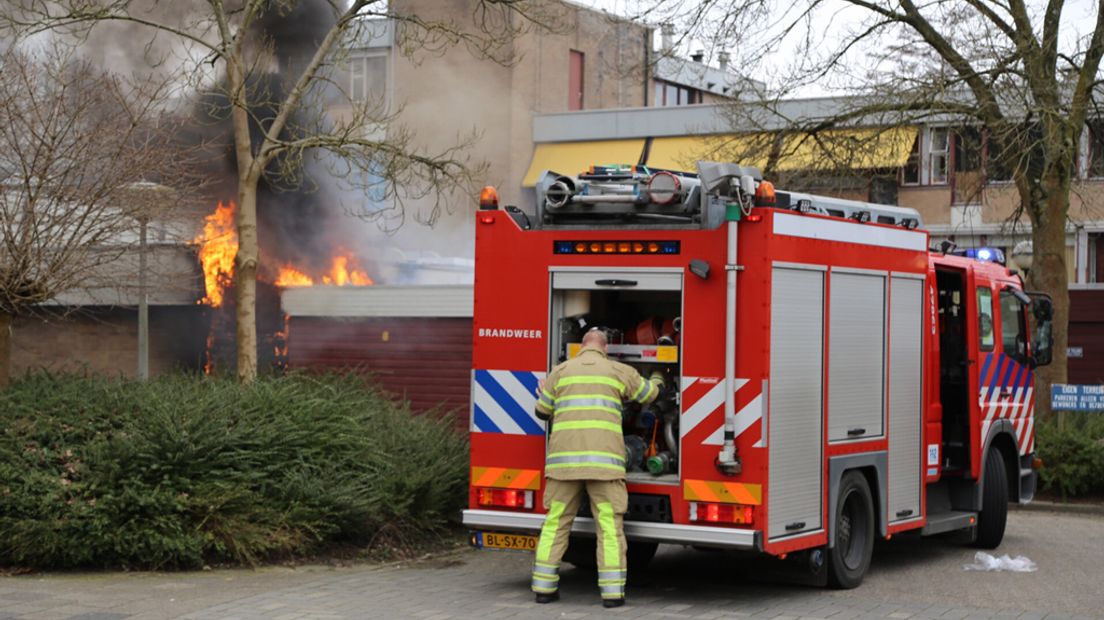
[989, 365]
[956, 383]
[1013, 385]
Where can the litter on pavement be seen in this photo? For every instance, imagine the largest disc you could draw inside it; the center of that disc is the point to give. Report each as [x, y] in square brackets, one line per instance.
[984, 561]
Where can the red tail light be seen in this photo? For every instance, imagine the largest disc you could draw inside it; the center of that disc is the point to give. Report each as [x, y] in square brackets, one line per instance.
[720, 513]
[506, 498]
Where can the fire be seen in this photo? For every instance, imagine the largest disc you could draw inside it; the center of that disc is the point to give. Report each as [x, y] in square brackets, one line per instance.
[340, 274]
[290, 276]
[218, 245]
[343, 271]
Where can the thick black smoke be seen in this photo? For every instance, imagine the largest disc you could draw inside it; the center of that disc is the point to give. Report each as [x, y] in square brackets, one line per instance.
[298, 219]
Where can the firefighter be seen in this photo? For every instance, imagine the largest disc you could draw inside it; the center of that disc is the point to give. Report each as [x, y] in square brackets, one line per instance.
[586, 452]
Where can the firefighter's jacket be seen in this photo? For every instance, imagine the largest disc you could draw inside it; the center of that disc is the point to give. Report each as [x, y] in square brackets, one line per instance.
[582, 397]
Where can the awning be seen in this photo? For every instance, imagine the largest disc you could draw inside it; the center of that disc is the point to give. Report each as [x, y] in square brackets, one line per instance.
[855, 149]
[683, 153]
[571, 158]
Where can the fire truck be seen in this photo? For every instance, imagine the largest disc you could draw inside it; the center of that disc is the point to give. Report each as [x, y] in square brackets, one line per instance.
[831, 379]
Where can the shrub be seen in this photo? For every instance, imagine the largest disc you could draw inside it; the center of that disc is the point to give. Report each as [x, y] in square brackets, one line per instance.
[183, 470]
[1073, 459]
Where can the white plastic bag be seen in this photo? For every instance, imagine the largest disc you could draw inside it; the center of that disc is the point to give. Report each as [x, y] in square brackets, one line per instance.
[984, 561]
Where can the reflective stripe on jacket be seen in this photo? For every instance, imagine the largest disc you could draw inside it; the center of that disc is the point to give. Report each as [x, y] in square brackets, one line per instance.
[583, 398]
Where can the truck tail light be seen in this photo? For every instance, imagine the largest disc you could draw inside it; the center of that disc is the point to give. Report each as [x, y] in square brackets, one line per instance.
[506, 498]
[709, 512]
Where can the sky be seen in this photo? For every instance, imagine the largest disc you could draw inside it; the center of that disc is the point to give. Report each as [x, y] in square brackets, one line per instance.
[835, 19]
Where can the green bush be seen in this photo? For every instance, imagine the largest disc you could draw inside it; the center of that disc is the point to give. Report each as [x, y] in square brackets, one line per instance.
[183, 471]
[1073, 459]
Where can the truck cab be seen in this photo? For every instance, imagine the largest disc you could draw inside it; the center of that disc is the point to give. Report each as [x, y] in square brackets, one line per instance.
[988, 336]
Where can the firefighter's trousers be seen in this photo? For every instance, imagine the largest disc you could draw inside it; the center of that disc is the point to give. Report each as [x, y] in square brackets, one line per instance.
[608, 502]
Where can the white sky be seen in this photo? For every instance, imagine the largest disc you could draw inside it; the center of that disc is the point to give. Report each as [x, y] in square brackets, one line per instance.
[838, 17]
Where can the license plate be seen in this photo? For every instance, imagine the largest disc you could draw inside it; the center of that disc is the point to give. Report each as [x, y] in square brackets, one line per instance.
[514, 542]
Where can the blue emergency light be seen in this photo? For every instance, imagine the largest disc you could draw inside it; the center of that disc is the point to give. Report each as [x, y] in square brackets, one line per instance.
[988, 255]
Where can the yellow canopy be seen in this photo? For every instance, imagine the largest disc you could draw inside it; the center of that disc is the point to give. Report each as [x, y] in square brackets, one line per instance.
[571, 158]
[683, 152]
[856, 149]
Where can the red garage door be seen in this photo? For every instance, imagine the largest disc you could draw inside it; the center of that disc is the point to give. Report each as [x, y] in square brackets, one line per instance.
[424, 360]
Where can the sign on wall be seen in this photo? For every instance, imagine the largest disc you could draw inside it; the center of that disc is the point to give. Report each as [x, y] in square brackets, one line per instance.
[1076, 397]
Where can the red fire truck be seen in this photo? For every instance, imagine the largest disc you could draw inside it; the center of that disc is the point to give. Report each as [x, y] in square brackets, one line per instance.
[831, 378]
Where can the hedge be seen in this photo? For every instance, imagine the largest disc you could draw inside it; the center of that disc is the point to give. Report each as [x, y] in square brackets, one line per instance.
[184, 471]
[1073, 459]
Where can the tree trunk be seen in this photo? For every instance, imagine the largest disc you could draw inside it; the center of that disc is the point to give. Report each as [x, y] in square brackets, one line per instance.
[1049, 275]
[5, 349]
[245, 263]
[246, 281]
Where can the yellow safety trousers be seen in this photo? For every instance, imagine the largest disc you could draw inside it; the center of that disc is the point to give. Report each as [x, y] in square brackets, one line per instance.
[608, 502]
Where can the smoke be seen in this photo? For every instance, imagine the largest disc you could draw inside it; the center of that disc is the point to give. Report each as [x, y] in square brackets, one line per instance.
[300, 220]
[305, 214]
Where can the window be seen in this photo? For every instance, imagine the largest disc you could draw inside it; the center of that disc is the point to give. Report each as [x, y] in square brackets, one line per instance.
[1012, 325]
[996, 166]
[1095, 152]
[575, 80]
[938, 154]
[368, 77]
[985, 318]
[910, 173]
[671, 94]
[967, 149]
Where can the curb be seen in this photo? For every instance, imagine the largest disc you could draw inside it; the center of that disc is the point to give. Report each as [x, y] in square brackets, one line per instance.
[1066, 508]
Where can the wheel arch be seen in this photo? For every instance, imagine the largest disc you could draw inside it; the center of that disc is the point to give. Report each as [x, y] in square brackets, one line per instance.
[1001, 437]
[874, 467]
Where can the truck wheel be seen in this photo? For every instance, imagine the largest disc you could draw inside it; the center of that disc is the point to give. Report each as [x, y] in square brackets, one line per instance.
[849, 558]
[582, 553]
[994, 503]
[640, 554]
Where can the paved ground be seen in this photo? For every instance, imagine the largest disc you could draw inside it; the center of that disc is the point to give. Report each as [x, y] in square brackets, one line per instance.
[919, 578]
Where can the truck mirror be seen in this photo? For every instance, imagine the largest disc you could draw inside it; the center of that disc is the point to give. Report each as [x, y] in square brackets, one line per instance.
[1042, 344]
[1042, 307]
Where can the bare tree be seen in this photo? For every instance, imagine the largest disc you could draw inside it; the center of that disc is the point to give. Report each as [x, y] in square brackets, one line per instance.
[1024, 75]
[76, 148]
[277, 126]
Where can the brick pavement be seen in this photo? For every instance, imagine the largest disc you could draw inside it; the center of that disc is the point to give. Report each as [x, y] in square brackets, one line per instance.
[920, 579]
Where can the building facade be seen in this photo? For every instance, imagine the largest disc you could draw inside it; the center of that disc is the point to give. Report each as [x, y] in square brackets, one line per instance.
[576, 59]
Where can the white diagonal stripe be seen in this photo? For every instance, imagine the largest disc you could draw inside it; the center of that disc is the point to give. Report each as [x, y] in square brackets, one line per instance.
[744, 419]
[1029, 438]
[517, 391]
[494, 411]
[697, 412]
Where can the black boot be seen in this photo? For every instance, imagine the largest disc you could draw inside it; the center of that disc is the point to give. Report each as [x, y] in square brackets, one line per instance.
[610, 603]
[543, 598]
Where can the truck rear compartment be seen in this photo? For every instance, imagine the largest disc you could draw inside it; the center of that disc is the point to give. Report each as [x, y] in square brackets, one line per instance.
[641, 314]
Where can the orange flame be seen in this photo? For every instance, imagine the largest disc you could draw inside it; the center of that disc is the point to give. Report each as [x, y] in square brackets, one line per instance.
[340, 274]
[218, 245]
[290, 276]
[343, 271]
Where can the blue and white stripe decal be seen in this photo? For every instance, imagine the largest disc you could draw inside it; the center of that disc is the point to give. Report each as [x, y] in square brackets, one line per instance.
[503, 401]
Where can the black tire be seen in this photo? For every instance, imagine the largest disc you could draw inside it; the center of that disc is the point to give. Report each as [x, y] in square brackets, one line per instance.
[583, 553]
[994, 502]
[639, 555]
[849, 557]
